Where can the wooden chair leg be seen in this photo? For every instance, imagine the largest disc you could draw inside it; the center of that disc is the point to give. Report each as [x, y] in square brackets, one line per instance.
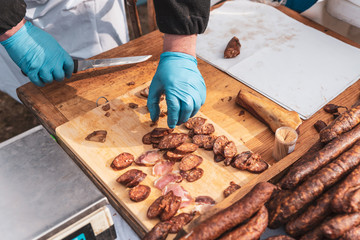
[134, 27]
[151, 15]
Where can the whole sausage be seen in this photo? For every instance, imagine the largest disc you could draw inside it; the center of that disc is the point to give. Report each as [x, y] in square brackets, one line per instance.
[352, 234]
[315, 234]
[345, 199]
[341, 124]
[332, 150]
[159, 232]
[190, 161]
[139, 193]
[313, 215]
[280, 237]
[214, 226]
[131, 178]
[276, 199]
[339, 224]
[251, 230]
[123, 160]
[316, 184]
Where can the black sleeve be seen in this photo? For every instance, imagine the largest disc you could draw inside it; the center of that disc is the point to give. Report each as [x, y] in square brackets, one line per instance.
[182, 17]
[11, 13]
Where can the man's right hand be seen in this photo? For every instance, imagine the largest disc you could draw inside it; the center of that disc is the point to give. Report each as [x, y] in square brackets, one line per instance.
[38, 55]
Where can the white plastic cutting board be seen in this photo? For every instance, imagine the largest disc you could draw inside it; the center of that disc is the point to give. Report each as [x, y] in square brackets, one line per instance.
[296, 66]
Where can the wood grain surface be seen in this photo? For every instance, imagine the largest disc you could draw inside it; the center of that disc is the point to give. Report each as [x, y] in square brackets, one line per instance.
[58, 103]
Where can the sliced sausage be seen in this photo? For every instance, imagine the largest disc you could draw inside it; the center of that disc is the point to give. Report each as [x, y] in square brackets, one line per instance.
[172, 204]
[205, 141]
[160, 132]
[313, 215]
[179, 221]
[155, 140]
[316, 184]
[131, 178]
[345, 199]
[205, 129]
[139, 193]
[252, 164]
[232, 48]
[218, 158]
[251, 230]
[97, 136]
[190, 161]
[192, 175]
[228, 161]
[171, 155]
[214, 226]
[123, 160]
[186, 148]
[205, 200]
[230, 189]
[173, 140]
[230, 150]
[194, 122]
[147, 139]
[339, 224]
[280, 237]
[220, 144]
[155, 208]
[209, 142]
[341, 124]
[159, 232]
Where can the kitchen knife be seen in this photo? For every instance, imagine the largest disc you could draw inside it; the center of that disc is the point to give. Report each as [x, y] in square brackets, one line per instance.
[80, 65]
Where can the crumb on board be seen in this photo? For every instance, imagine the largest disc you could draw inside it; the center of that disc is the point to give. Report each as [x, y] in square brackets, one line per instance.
[230, 98]
[107, 114]
[130, 83]
[133, 105]
[241, 113]
[106, 107]
[222, 99]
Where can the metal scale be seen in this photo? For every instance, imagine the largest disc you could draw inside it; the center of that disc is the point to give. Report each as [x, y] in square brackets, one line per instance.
[45, 195]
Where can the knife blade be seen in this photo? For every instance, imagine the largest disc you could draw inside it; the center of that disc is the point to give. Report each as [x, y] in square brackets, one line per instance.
[80, 65]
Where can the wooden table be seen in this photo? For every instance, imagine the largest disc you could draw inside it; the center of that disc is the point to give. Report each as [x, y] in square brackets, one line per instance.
[58, 103]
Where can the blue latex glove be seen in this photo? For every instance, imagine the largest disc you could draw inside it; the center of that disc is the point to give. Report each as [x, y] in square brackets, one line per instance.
[39, 55]
[179, 78]
[300, 5]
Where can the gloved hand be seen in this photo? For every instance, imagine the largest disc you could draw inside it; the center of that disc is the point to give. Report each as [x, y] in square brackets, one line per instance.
[39, 55]
[179, 78]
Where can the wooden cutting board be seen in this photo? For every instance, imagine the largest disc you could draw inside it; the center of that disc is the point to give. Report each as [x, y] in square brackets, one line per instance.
[125, 128]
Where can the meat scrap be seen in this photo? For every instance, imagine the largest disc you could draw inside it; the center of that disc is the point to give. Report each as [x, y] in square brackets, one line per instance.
[205, 129]
[332, 108]
[230, 189]
[149, 158]
[213, 227]
[186, 148]
[162, 167]
[166, 179]
[133, 105]
[316, 184]
[97, 136]
[179, 191]
[346, 199]
[190, 161]
[316, 160]
[179, 221]
[131, 178]
[194, 122]
[173, 140]
[159, 232]
[253, 164]
[338, 225]
[192, 175]
[139, 193]
[341, 124]
[123, 160]
[232, 48]
[251, 230]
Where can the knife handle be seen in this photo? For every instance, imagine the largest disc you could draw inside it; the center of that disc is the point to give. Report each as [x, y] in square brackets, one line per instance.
[76, 65]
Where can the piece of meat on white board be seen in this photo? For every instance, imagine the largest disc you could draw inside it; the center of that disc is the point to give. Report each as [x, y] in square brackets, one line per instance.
[162, 167]
[179, 191]
[164, 180]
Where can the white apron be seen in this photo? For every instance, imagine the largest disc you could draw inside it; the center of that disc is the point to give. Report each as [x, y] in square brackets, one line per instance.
[84, 28]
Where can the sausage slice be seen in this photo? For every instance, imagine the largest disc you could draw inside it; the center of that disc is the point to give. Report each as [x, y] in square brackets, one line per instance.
[139, 193]
[123, 160]
[189, 162]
